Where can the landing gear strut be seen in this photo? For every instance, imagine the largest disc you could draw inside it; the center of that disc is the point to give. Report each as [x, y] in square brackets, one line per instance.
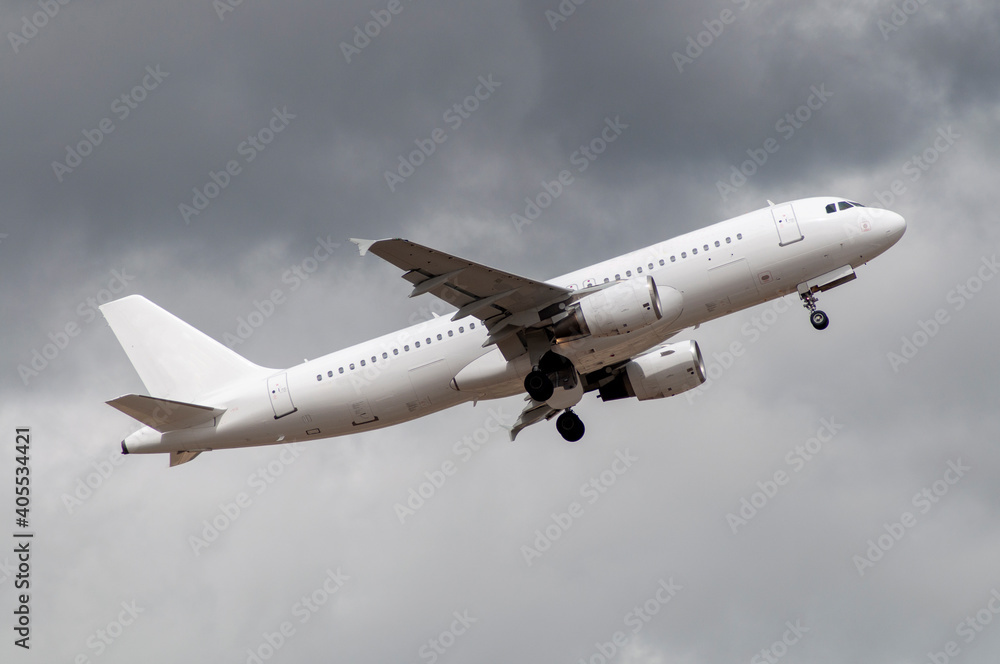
[570, 426]
[818, 318]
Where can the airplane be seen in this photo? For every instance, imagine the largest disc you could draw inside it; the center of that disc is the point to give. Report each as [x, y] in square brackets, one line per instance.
[606, 328]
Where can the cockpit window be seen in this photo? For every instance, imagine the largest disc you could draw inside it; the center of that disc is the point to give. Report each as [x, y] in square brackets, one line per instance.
[856, 204]
[832, 207]
[844, 205]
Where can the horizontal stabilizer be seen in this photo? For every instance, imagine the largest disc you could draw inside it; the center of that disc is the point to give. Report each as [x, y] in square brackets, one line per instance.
[177, 458]
[163, 414]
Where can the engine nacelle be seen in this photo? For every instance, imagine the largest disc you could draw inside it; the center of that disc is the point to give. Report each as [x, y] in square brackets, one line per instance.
[664, 372]
[620, 309]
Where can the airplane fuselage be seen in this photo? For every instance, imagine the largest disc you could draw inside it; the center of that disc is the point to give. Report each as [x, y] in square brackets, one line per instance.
[439, 363]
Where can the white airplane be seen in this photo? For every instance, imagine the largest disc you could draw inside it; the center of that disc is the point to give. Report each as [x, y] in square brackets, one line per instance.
[602, 328]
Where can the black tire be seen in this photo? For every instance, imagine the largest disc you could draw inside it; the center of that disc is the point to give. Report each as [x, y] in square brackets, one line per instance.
[570, 427]
[819, 320]
[538, 386]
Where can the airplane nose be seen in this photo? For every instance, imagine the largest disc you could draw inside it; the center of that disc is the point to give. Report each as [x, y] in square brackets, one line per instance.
[896, 225]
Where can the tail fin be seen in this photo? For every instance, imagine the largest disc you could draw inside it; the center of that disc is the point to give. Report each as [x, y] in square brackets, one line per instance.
[174, 360]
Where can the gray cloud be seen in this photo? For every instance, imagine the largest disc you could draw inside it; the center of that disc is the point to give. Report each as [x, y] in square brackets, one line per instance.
[110, 533]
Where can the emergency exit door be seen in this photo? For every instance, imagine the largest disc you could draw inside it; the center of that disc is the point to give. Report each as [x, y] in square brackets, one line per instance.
[786, 223]
[281, 400]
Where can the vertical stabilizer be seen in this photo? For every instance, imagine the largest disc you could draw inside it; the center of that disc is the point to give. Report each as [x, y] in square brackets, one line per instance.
[174, 360]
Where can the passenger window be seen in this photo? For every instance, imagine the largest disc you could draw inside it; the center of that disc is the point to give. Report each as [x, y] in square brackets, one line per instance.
[706, 247]
[739, 236]
[385, 356]
[362, 363]
[617, 277]
[673, 259]
[684, 254]
[439, 337]
[662, 262]
[729, 240]
[717, 243]
[428, 340]
[319, 376]
[472, 326]
[650, 266]
[628, 273]
[694, 252]
[606, 280]
[340, 370]
[373, 359]
[329, 374]
[638, 270]
[461, 329]
[416, 344]
[406, 348]
[395, 351]
[352, 366]
[832, 207]
[451, 333]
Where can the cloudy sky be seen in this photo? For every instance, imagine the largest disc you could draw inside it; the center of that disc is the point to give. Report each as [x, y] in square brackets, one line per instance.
[120, 122]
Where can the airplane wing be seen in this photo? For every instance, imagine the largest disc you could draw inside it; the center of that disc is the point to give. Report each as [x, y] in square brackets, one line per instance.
[505, 302]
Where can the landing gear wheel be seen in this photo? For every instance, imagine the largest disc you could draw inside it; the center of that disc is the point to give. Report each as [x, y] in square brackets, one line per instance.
[570, 426]
[819, 319]
[538, 386]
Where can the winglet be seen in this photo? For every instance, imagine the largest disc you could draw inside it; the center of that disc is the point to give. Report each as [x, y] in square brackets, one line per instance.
[363, 245]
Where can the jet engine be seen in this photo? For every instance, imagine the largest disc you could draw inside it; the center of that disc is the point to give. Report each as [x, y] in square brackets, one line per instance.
[663, 372]
[620, 309]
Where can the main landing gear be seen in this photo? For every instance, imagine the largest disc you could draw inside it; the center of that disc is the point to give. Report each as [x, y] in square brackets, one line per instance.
[570, 426]
[818, 318]
[538, 386]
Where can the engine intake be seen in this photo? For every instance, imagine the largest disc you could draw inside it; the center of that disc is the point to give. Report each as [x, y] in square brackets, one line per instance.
[670, 369]
[620, 309]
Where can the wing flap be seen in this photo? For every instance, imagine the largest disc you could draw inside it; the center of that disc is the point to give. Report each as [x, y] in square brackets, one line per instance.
[476, 289]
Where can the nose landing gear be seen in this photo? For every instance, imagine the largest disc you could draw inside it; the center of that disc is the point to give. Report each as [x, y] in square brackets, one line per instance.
[818, 318]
